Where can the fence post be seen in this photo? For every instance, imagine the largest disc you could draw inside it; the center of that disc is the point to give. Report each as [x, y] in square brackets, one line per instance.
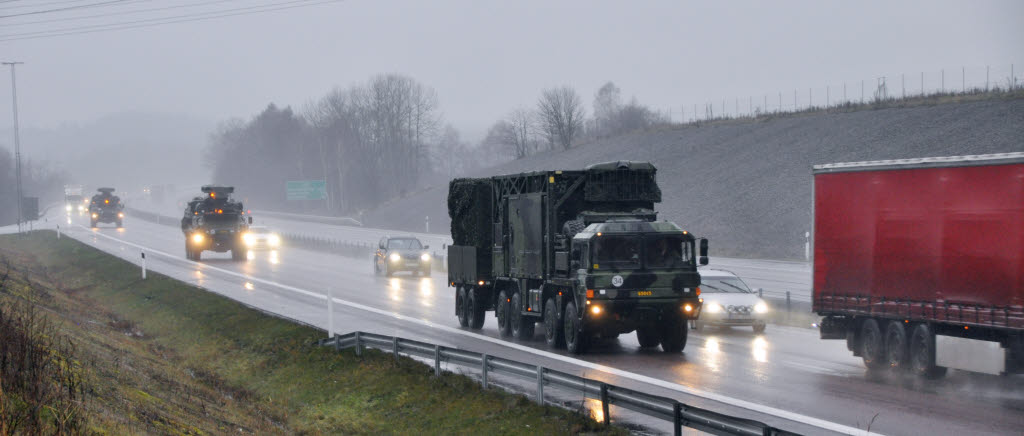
[540, 385]
[604, 404]
[437, 360]
[677, 419]
[394, 346]
[330, 313]
[483, 370]
[359, 345]
[787, 302]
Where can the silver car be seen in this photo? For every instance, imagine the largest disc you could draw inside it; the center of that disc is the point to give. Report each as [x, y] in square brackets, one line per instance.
[728, 301]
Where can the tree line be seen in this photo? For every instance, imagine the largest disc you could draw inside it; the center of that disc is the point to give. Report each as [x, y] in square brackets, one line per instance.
[378, 140]
[37, 180]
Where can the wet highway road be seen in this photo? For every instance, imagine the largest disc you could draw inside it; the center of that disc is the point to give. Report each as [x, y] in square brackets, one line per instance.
[786, 377]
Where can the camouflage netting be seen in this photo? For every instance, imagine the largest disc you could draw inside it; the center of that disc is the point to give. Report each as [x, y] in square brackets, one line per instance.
[469, 207]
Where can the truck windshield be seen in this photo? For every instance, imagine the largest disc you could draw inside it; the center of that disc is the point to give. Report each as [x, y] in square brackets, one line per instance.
[617, 251]
[668, 252]
[713, 285]
[220, 220]
[404, 244]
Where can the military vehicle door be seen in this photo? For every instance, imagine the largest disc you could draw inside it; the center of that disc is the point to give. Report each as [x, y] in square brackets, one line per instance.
[526, 234]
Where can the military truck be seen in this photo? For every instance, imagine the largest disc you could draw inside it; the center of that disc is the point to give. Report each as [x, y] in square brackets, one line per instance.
[579, 251]
[215, 222]
[105, 207]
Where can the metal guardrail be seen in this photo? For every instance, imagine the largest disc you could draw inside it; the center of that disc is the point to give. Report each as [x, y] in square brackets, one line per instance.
[678, 414]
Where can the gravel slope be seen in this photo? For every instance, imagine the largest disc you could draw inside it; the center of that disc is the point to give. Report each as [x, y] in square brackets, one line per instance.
[747, 185]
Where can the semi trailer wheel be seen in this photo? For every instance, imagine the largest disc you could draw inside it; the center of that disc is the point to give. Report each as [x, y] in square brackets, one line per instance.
[872, 345]
[554, 335]
[922, 353]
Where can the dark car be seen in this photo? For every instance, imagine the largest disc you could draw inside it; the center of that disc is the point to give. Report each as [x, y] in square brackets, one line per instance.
[401, 253]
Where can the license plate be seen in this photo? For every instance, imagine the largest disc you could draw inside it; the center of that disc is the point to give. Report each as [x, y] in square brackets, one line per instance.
[644, 293]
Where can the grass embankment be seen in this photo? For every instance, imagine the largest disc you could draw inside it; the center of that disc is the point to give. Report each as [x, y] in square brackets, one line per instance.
[159, 356]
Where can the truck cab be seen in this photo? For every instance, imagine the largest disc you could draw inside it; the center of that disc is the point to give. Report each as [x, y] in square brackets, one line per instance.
[106, 207]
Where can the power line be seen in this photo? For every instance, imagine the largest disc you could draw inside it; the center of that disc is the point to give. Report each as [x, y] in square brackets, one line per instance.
[150, 20]
[111, 14]
[35, 3]
[68, 8]
[172, 20]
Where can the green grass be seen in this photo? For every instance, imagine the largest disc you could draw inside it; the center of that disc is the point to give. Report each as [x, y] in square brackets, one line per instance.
[164, 357]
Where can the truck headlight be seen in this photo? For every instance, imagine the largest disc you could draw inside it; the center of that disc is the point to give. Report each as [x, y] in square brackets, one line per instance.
[713, 307]
[596, 310]
[425, 257]
[120, 214]
[394, 257]
[761, 307]
[248, 239]
[197, 238]
[68, 208]
[95, 215]
[274, 240]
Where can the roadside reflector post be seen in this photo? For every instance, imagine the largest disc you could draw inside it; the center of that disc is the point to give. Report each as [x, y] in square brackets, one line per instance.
[359, 345]
[330, 314]
[426, 223]
[58, 231]
[604, 404]
[788, 308]
[437, 360]
[540, 385]
[394, 347]
[143, 265]
[483, 370]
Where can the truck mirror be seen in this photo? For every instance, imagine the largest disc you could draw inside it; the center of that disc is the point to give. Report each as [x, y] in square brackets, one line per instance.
[576, 254]
[250, 220]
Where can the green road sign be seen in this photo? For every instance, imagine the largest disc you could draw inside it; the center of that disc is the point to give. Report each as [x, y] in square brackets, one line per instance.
[306, 189]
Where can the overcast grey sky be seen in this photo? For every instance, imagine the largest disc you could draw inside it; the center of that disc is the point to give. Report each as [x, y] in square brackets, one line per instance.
[487, 58]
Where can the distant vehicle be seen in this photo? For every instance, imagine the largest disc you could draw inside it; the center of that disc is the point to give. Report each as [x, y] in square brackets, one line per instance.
[579, 251]
[919, 263]
[215, 222]
[261, 238]
[74, 201]
[728, 302]
[401, 253]
[106, 207]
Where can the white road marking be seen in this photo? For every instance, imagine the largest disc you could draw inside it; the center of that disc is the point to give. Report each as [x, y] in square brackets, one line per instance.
[760, 408]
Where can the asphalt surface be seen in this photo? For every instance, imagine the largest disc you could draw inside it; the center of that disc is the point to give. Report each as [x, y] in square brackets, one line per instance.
[786, 377]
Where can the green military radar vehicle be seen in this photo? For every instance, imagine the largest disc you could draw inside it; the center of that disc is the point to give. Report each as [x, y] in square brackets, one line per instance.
[215, 222]
[579, 251]
[106, 207]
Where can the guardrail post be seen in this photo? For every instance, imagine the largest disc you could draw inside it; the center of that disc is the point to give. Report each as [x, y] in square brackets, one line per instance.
[540, 385]
[437, 360]
[677, 419]
[604, 404]
[143, 265]
[394, 346]
[483, 369]
[788, 307]
[359, 345]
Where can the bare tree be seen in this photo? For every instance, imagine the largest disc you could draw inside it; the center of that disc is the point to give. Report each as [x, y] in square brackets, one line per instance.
[515, 134]
[560, 115]
[607, 104]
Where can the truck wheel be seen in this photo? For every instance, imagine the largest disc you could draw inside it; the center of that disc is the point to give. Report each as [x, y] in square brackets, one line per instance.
[872, 346]
[475, 309]
[197, 254]
[237, 255]
[461, 308]
[501, 311]
[120, 224]
[674, 332]
[376, 269]
[896, 345]
[387, 271]
[576, 341]
[922, 353]
[188, 251]
[554, 335]
[648, 336]
[759, 328]
[522, 326]
[92, 223]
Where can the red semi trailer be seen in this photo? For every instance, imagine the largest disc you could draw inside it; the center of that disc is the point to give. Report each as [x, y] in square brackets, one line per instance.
[919, 263]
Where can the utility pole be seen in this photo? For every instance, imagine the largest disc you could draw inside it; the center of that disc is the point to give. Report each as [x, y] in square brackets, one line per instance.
[17, 140]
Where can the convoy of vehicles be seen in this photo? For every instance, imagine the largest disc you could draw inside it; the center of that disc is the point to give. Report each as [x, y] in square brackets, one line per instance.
[919, 263]
[403, 253]
[729, 302]
[105, 207]
[578, 251]
[215, 222]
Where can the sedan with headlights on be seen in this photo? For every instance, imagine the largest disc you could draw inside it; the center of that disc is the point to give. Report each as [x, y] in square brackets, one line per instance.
[728, 301]
[261, 238]
[401, 253]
